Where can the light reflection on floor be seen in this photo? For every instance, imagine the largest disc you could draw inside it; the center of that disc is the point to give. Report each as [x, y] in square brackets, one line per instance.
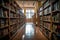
[29, 31]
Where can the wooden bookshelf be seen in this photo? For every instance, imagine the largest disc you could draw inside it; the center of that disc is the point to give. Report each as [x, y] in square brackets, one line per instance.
[49, 19]
[34, 18]
[11, 19]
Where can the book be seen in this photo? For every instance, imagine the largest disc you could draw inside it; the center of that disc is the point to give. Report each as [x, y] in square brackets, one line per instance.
[47, 18]
[54, 28]
[56, 6]
[11, 15]
[58, 29]
[56, 17]
[6, 22]
[5, 13]
[41, 9]
[49, 10]
[40, 13]
[1, 13]
[2, 23]
[1, 33]
[5, 32]
[45, 11]
[46, 4]
[47, 25]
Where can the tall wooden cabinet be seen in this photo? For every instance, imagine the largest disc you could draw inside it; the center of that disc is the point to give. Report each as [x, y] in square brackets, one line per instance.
[49, 19]
[11, 19]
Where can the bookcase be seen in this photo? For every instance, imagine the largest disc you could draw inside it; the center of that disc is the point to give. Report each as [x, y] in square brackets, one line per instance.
[34, 18]
[49, 14]
[11, 19]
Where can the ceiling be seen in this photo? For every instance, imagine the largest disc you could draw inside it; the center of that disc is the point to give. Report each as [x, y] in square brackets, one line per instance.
[30, 0]
[27, 3]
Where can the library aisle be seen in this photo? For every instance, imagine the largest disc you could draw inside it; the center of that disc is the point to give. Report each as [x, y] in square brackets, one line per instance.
[29, 19]
[30, 32]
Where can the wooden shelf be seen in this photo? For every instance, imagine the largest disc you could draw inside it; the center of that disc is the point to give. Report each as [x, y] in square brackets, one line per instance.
[47, 29]
[13, 17]
[47, 14]
[56, 11]
[5, 7]
[4, 17]
[56, 22]
[4, 27]
[46, 7]
[12, 24]
[50, 16]
[13, 35]
[46, 36]
[12, 30]
[13, 11]
[9, 13]
[47, 21]
[3, 36]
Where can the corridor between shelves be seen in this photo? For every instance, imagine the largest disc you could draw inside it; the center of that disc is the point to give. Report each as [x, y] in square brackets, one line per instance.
[30, 32]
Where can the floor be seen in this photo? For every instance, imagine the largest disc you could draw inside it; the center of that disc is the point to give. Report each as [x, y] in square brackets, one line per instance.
[29, 32]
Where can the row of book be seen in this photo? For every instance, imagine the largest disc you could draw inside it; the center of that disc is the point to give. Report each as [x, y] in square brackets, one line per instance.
[55, 17]
[12, 15]
[46, 32]
[56, 32]
[47, 10]
[47, 25]
[40, 13]
[56, 28]
[12, 21]
[47, 18]
[51, 20]
[41, 8]
[56, 6]
[3, 22]
[40, 18]
[3, 13]
[46, 4]
[3, 32]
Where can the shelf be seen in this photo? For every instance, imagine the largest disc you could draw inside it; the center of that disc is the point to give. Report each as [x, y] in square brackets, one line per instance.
[41, 25]
[13, 11]
[13, 30]
[56, 34]
[56, 22]
[41, 20]
[46, 7]
[40, 15]
[44, 2]
[1, 28]
[47, 21]
[56, 11]
[47, 14]
[2, 37]
[51, 20]
[4, 17]
[12, 24]
[47, 29]
[45, 36]
[13, 17]
[13, 5]
[5, 7]
[53, 2]
[13, 35]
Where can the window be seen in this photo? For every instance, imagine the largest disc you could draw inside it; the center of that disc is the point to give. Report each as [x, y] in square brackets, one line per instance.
[29, 13]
